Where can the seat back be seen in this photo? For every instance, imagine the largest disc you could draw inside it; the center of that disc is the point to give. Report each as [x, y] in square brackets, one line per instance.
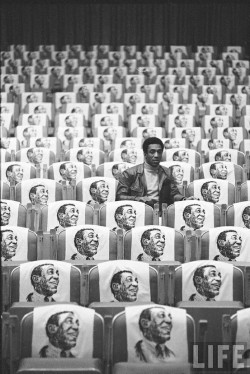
[96, 190]
[125, 215]
[181, 215]
[216, 191]
[90, 324]
[245, 191]
[238, 214]
[222, 170]
[68, 171]
[229, 282]
[12, 213]
[87, 242]
[220, 243]
[112, 169]
[23, 244]
[66, 213]
[38, 191]
[130, 347]
[104, 280]
[154, 243]
[26, 282]
[240, 334]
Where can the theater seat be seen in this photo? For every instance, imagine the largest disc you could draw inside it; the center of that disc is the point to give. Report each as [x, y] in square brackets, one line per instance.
[88, 354]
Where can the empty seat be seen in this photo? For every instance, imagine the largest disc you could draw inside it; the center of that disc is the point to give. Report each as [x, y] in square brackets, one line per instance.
[96, 190]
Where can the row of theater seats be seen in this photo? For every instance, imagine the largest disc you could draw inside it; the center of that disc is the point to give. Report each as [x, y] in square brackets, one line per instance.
[66, 240]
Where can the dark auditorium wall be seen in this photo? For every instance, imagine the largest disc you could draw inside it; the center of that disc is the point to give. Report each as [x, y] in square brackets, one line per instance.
[193, 22]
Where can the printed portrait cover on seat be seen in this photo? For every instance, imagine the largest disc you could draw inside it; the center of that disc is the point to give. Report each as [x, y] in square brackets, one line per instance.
[219, 170]
[81, 321]
[135, 273]
[17, 244]
[11, 214]
[152, 243]
[194, 287]
[213, 190]
[63, 214]
[238, 214]
[173, 347]
[226, 243]
[56, 275]
[194, 215]
[86, 242]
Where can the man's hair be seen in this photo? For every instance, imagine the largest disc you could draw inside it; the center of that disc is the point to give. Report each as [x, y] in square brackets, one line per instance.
[34, 188]
[30, 152]
[62, 210]
[152, 140]
[218, 154]
[199, 272]
[120, 210]
[176, 153]
[124, 152]
[117, 278]
[145, 314]
[206, 185]
[213, 167]
[38, 272]
[63, 166]
[54, 320]
[10, 169]
[146, 235]
[2, 231]
[246, 211]
[225, 131]
[80, 234]
[79, 153]
[188, 209]
[223, 236]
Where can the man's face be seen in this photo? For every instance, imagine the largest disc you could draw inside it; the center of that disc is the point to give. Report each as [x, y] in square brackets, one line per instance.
[5, 142]
[145, 122]
[184, 109]
[71, 121]
[196, 218]
[222, 110]
[65, 99]
[89, 244]
[182, 156]
[212, 194]
[131, 155]
[8, 244]
[16, 175]
[32, 98]
[70, 172]
[67, 332]
[40, 109]
[129, 144]
[246, 217]
[127, 220]
[178, 174]
[102, 192]
[110, 134]
[70, 217]
[107, 121]
[34, 120]
[211, 282]
[128, 288]
[49, 280]
[37, 155]
[190, 135]
[30, 133]
[232, 133]
[174, 143]
[41, 196]
[220, 172]
[218, 143]
[231, 247]
[181, 121]
[160, 326]
[5, 214]
[155, 245]
[153, 155]
[86, 157]
[225, 156]
[44, 142]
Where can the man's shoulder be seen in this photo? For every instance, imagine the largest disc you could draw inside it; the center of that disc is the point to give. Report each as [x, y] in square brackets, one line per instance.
[30, 297]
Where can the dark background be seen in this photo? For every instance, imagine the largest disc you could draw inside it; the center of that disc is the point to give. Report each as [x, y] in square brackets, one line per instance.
[193, 22]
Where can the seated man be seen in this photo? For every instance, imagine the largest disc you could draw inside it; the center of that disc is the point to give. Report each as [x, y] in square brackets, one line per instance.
[149, 182]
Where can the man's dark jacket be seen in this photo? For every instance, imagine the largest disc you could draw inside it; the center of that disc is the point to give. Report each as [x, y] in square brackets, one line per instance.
[132, 185]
